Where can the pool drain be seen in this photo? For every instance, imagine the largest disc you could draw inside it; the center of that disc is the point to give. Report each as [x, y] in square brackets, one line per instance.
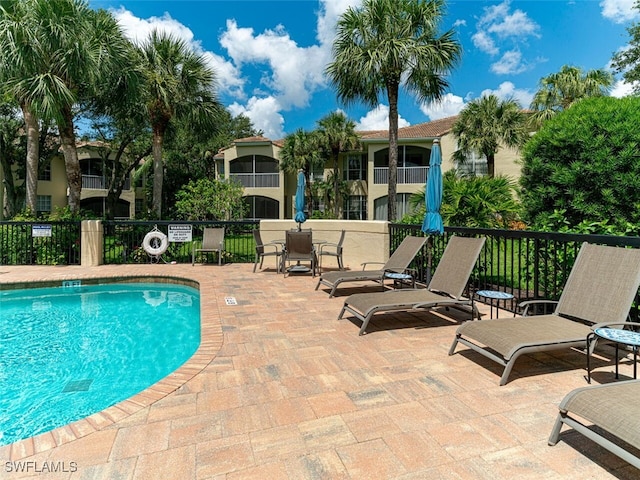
[78, 386]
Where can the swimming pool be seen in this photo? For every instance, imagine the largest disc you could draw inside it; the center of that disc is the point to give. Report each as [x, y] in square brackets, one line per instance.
[66, 353]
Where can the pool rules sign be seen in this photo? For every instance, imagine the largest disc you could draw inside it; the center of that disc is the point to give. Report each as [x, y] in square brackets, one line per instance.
[180, 233]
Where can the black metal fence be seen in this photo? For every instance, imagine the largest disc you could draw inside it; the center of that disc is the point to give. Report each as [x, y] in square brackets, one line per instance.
[40, 243]
[528, 265]
[123, 241]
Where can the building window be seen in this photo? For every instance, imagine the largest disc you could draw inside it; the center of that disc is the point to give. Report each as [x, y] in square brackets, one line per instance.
[380, 206]
[355, 208]
[44, 172]
[43, 203]
[257, 207]
[355, 167]
[474, 164]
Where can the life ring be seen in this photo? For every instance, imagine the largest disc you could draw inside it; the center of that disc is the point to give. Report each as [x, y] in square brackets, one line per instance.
[155, 243]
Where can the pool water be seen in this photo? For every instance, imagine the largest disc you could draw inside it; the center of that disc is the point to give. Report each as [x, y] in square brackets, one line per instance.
[66, 353]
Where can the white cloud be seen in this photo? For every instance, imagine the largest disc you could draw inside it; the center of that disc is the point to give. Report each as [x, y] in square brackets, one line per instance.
[291, 73]
[510, 63]
[507, 90]
[485, 43]
[264, 114]
[619, 11]
[378, 119]
[623, 89]
[228, 78]
[460, 23]
[448, 106]
[497, 26]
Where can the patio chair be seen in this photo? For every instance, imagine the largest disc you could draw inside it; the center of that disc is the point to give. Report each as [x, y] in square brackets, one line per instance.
[299, 248]
[444, 290]
[332, 250]
[265, 250]
[212, 241]
[600, 289]
[612, 407]
[398, 262]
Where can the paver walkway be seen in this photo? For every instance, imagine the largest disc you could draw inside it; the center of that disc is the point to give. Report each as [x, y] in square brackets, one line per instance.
[280, 389]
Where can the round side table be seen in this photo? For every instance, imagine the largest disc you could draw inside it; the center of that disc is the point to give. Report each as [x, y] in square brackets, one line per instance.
[494, 296]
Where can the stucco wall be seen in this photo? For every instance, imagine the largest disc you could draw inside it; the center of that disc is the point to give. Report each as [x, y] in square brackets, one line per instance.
[365, 241]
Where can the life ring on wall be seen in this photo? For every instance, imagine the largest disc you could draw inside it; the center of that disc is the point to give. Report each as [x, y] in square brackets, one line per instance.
[155, 243]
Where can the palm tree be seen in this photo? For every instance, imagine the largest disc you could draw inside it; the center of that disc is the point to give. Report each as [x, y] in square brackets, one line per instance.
[560, 90]
[386, 44]
[486, 123]
[59, 50]
[19, 58]
[337, 135]
[300, 152]
[178, 84]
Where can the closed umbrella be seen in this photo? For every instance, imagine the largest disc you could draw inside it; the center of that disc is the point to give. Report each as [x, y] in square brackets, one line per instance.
[432, 223]
[300, 218]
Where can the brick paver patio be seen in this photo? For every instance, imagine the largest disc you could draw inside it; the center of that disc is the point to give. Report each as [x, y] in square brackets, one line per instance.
[280, 389]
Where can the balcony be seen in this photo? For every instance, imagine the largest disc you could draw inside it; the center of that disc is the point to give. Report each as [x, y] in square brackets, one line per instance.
[257, 180]
[98, 182]
[405, 175]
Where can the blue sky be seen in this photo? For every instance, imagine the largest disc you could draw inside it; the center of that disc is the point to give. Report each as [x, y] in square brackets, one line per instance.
[269, 56]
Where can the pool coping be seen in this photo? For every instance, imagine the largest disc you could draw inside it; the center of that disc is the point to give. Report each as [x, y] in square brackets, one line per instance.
[211, 340]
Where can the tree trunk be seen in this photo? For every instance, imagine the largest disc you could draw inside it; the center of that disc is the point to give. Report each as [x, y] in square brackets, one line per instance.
[9, 191]
[33, 156]
[158, 170]
[392, 89]
[491, 165]
[71, 162]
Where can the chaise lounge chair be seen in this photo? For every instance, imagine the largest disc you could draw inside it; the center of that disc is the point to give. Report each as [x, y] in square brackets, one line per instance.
[398, 262]
[612, 407]
[600, 289]
[444, 290]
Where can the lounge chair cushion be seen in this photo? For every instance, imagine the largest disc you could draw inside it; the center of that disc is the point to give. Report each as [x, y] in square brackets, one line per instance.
[507, 336]
[613, 407]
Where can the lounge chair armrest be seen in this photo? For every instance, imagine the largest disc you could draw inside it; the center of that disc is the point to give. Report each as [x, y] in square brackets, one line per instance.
[364, 265]
[527, 303]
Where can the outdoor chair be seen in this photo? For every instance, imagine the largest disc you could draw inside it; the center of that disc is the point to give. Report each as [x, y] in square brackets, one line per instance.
[612, 407]
[299, 248]
[444, 290]
[270, 249]
[212, 241]
[398, 262]
[600, 289]
[332, 250]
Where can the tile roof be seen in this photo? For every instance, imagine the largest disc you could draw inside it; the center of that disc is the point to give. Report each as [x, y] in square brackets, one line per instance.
[435, 128]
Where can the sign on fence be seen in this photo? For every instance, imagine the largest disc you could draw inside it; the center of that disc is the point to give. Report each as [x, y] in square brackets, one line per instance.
[40, 230]
[180, 233]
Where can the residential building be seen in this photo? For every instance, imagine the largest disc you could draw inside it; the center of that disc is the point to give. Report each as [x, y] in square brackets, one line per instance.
[270, 193]
[53, 190]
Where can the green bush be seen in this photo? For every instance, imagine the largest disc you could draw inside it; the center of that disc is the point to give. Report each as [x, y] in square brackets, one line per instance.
[581, 171]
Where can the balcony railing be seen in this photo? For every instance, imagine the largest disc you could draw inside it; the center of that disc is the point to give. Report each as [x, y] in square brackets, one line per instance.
[98, 182]
[405, 175]
[257, 180]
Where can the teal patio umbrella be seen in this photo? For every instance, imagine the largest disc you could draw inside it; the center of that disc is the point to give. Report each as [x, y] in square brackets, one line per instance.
[300, 217]
[432, 223]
